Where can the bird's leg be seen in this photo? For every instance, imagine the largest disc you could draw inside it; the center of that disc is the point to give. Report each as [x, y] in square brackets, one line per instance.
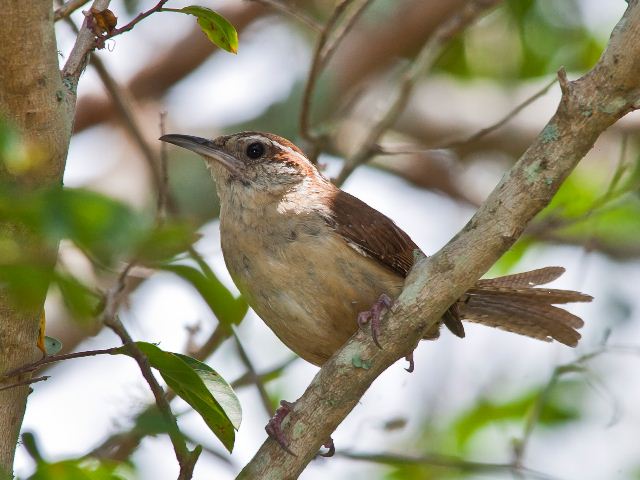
[274, 427]
[374, 315]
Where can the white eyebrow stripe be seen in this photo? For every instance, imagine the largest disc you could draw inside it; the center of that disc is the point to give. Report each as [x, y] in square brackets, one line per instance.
[289, 150]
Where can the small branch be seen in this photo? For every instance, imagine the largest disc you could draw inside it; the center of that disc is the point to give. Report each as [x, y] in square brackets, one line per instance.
[58, 358]
[109, 318]
[28, 381]
[186, 459]
[444, 461]
[314, 72]
[68, 8]
[163, 187]
[507, 118]
[292, 12]
[79, 56]
[520, 445]
[123, 103]
[253, 376]
[422, 63]
[265, 377]
[129, 26]
[351, 18]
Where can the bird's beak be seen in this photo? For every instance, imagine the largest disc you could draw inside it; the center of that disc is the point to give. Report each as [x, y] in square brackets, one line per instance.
[205, 148]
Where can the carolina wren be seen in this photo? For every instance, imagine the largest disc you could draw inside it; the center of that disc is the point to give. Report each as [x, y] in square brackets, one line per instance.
[309, 257]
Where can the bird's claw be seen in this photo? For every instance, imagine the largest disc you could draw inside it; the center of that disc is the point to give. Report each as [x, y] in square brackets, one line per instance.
[409, 358]
[274, 426]
[374, 315]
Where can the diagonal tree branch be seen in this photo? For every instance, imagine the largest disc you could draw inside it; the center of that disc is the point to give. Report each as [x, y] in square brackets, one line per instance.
[588, 106]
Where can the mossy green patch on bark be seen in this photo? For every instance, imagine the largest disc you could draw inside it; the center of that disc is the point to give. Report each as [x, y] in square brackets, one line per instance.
[550, 133]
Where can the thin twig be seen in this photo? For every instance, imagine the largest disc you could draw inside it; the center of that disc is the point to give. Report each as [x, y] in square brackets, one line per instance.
[492, 128]
[134, 22]
[265, 377]
[109, 317]
[58, 358]
[443, 461]
[520, 445]
[342, 30]
[79, 56]
[253, 375]
[422, 63]
[292, 12]
[163, 187]
[28, 381]
[68, 8]
[120, 445]
[123, 104]
[186, 458]
[314, 73]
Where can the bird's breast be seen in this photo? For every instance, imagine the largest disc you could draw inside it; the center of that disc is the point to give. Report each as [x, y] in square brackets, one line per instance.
[303, 280]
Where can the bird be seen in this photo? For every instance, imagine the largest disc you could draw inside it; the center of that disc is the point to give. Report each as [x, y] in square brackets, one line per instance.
[316, 263]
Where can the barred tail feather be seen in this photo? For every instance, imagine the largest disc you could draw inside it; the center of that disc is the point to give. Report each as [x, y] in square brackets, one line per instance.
[512, 303]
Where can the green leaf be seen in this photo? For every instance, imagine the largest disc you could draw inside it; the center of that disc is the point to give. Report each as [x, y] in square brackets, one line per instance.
[100, 226]
[198, 385]
[81, 301]
[218, 387]
[217, 28]
[227, 309]
[151, 422]
[165, 242]
[559, 408]
[25, 284]
[78, 469]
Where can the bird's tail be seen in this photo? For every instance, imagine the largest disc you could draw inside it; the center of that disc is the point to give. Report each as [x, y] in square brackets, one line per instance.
[513, 303]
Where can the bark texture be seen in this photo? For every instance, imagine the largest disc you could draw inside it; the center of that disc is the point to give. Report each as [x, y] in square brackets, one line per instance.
[34, 101]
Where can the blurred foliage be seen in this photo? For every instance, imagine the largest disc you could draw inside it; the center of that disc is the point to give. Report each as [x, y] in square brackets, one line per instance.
[586, 208]
[73, 469]
[559, 408]
[78, 469]
[198, 385]
[131, 6]
[524, 39]
[227, 309]
[192, 188]
[106, 231]
[455, 437]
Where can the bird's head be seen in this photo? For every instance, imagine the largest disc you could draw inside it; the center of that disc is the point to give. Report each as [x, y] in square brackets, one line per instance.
[251, 162]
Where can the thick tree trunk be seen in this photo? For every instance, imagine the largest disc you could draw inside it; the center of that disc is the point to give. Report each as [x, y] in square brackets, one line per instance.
[33, 100]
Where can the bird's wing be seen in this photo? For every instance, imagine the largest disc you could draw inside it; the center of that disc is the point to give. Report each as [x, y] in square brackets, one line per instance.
[371, 233]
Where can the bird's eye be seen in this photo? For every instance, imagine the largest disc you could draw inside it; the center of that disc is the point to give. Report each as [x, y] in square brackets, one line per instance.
[255, 150]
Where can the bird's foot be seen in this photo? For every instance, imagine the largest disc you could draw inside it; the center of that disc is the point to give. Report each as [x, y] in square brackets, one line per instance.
[409, 358]
[374, 316]
[331, 448]
[274, 427]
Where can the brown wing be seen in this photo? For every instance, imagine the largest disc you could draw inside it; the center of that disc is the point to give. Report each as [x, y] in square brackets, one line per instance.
[375, 234]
